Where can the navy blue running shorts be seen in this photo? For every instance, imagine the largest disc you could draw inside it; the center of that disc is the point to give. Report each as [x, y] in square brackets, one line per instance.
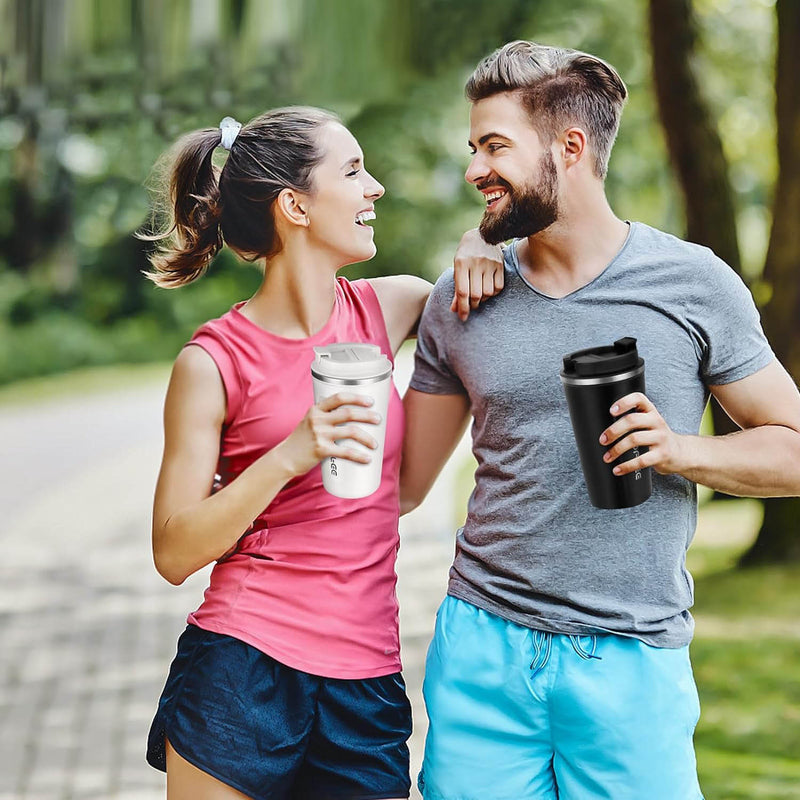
[274, 732]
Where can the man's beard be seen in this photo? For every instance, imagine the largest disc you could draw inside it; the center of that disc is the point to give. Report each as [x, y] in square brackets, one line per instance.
[528, 211]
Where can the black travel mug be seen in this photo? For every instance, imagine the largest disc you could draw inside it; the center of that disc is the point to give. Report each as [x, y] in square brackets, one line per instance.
[593, 380]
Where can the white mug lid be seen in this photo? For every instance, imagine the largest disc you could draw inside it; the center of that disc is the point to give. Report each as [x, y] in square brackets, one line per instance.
[350, 360]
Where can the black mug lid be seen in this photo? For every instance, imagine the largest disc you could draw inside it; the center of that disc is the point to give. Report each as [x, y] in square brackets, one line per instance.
[619, 357]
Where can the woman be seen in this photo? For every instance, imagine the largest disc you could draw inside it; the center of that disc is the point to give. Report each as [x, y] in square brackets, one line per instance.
[287, 680]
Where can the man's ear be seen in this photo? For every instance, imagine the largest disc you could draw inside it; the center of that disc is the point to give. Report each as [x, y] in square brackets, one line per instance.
[574, 146]
[293, 207]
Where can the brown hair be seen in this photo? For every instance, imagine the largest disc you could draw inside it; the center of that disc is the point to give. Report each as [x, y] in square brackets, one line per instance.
[559, 88]
[207, 206]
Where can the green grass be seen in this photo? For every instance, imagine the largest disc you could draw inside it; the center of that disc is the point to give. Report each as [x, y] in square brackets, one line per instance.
[82, 381]
[746, 657]
[738, 776]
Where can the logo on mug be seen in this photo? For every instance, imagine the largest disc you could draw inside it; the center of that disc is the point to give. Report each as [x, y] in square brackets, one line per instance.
[637, 476]
[333, 466]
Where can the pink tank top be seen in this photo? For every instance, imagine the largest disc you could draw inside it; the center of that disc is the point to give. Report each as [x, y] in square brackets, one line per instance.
[313, 583]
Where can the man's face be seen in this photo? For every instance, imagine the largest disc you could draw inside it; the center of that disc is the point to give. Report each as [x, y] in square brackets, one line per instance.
[516, 175]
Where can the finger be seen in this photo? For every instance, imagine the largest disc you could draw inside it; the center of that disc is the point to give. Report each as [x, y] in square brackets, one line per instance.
[628, 423]
[461, 278]
[475, 286]
[341, 433]
[488, 283]
[350, 453]
[463, 303]
[342, 398]
[643, 461]
[624, 445]
[499, 279]
[345, 414]
[630, 401]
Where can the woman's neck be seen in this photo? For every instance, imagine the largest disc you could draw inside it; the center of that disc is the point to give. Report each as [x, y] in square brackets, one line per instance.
[296, 297]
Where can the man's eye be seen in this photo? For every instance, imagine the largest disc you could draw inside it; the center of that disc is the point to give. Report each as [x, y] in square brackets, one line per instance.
[495, 147]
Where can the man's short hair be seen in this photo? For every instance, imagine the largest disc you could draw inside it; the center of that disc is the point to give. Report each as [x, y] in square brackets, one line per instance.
[559, 88]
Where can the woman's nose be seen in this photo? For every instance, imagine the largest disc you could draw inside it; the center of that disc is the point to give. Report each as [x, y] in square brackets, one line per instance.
[374, 190]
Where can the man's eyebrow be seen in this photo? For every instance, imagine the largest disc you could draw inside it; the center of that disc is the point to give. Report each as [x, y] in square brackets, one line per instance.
[492, 135]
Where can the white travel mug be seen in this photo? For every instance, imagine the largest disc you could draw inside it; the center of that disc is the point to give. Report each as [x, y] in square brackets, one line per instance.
[360, 369]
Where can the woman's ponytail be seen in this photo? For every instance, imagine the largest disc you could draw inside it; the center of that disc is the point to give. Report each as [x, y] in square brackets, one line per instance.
[192, 236]
[206, 205]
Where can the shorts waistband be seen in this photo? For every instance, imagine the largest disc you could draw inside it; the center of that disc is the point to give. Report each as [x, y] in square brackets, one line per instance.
[543, 644]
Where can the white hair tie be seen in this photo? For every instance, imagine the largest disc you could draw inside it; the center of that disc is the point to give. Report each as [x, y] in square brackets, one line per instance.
[230, 130]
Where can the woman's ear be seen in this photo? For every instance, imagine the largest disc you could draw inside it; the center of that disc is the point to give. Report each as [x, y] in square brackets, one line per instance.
[293, 207]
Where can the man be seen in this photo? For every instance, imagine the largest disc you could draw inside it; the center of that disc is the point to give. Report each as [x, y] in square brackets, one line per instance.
[559, 665]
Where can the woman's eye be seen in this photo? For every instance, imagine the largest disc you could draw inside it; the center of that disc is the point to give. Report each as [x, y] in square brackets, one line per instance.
[353, 173]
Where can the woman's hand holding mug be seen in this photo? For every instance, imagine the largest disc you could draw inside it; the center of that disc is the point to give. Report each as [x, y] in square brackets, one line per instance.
[325, 427]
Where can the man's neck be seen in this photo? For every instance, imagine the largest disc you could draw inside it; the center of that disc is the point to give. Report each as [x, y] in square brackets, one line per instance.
[573, 251]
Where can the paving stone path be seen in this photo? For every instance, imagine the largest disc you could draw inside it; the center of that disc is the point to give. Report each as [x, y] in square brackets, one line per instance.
[87, 627]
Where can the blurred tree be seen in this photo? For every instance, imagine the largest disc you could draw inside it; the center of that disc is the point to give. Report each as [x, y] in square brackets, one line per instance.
[694, 144]
[102, 89]
[41, 207]
[779, 538]
[703, 172]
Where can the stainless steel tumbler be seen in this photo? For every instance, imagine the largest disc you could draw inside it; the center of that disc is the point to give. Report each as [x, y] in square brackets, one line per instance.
[363, 369]
[593, 380]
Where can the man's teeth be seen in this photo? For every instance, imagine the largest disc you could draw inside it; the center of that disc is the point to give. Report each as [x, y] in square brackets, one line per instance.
[364, 217]
[493, 196]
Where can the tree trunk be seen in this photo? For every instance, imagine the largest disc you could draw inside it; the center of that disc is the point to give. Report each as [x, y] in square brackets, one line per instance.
[38, 29]
[779, 537]
[694, 145]
[693, 141]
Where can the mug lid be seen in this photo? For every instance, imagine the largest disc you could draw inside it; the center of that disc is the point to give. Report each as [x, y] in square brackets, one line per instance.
[350, 360]
[619, 357]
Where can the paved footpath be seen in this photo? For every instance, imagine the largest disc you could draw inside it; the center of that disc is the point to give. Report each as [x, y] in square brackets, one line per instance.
[88, 628]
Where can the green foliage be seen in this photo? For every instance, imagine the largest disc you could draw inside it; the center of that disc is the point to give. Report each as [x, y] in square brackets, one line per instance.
[744, 656]
[83, 122]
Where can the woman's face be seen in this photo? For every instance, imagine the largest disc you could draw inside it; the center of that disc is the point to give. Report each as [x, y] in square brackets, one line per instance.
[342, 202]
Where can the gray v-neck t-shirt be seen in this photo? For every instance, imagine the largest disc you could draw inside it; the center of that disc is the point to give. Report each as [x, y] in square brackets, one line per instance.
[533, 550]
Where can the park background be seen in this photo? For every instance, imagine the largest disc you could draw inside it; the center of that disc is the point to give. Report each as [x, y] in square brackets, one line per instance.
[92, 93]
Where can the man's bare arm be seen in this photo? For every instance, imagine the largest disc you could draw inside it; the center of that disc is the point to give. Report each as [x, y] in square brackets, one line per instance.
[762, 460]
[435, 424]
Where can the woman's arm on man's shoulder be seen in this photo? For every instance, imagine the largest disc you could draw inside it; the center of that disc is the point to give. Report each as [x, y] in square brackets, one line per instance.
[402, 298]
[477, 274]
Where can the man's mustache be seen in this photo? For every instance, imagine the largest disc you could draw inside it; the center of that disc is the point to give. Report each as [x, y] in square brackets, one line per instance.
[494, 182]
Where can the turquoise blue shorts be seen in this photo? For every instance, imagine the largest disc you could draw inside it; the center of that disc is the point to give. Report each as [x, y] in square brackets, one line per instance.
[518, 714]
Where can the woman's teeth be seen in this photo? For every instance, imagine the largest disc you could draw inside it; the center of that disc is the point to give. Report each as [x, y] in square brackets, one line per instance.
[364, 217]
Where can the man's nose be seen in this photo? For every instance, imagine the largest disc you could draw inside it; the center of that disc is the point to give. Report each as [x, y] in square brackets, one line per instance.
[476, 170]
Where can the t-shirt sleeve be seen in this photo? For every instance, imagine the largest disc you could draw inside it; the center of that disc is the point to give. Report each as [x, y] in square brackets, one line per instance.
[220, 352]
[433, 371]
[726, 326]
